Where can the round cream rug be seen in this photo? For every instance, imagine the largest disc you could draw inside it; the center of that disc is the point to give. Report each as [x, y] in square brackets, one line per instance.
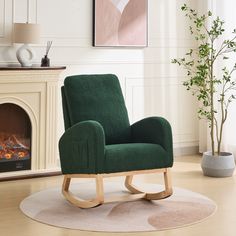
[181, 209]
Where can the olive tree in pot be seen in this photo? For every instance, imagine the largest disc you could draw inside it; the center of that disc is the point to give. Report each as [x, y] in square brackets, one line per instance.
[214, 93]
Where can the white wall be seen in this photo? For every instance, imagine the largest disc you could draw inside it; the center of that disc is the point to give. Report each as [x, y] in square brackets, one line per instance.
[150, 83]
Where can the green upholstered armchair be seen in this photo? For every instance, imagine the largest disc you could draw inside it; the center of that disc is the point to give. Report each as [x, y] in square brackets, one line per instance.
[100, 142]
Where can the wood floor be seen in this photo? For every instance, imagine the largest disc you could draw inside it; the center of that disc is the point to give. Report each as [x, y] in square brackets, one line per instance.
[186, 173]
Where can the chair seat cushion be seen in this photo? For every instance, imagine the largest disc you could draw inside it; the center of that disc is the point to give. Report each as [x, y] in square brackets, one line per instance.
[134, 156]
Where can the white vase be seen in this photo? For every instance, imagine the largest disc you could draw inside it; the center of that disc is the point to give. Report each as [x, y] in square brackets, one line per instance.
[218, 166]
[25, 55]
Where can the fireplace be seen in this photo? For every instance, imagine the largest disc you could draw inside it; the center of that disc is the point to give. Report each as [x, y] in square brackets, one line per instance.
[28, 121]
[15, 138]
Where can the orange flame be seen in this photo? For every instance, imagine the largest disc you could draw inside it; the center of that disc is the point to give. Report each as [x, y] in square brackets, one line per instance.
[12, 148]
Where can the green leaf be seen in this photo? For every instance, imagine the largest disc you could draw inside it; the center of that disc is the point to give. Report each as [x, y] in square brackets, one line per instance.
[184, 7]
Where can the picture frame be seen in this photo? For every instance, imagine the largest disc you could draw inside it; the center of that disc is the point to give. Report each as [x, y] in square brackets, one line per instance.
[120, 23]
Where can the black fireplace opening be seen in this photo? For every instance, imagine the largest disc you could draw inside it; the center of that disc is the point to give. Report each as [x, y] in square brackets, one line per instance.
[15, 138]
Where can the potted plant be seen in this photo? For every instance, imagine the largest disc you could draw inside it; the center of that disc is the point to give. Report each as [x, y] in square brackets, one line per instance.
[214, 92]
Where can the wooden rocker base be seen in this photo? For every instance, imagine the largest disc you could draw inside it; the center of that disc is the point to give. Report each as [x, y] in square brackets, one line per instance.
[136, 193]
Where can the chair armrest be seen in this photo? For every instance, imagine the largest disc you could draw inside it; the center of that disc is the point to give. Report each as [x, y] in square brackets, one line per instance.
[153, 130]
[82, 148]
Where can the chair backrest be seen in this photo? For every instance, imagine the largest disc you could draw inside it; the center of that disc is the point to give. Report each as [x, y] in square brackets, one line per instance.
[97, 97]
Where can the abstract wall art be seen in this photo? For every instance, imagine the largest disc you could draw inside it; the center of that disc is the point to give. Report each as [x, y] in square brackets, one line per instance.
[120, 23]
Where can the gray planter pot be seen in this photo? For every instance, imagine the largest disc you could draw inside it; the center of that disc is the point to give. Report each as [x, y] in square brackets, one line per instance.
[218, 166]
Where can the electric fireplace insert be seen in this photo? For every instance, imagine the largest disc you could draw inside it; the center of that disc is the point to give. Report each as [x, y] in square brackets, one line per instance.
[15, 138]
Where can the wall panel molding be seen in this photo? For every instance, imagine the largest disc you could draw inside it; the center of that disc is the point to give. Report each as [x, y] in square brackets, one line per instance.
[6, 10]
[19, 11]
[2, 18]
[158, 96]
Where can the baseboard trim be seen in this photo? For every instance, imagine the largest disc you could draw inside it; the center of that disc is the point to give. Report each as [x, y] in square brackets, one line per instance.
[29, 175]
[184, 151]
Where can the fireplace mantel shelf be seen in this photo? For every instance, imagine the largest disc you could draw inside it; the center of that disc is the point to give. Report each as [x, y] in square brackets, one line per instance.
[32, 68]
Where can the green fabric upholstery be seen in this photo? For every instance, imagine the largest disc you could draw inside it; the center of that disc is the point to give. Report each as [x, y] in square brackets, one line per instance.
[67, 121]
[134, 156]
[82, 148]
[98, 136]
[154, 130]
[98, 97]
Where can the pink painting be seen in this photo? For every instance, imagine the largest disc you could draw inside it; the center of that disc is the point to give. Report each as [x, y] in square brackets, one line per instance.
[120, 23]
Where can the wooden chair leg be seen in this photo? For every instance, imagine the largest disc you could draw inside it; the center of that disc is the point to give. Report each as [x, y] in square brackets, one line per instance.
[168, 188]
[152, 196]
[168, 183]
[81, 202]
[99, 189]
[128, 184]
[66, 183]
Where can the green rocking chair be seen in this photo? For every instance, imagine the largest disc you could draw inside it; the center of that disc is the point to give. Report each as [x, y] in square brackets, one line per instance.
[99, 141]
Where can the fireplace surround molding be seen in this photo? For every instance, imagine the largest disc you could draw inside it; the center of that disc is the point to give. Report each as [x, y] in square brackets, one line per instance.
[36, 92]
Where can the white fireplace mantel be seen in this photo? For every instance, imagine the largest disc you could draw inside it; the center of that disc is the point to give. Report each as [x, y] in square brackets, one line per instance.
[36, 91]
